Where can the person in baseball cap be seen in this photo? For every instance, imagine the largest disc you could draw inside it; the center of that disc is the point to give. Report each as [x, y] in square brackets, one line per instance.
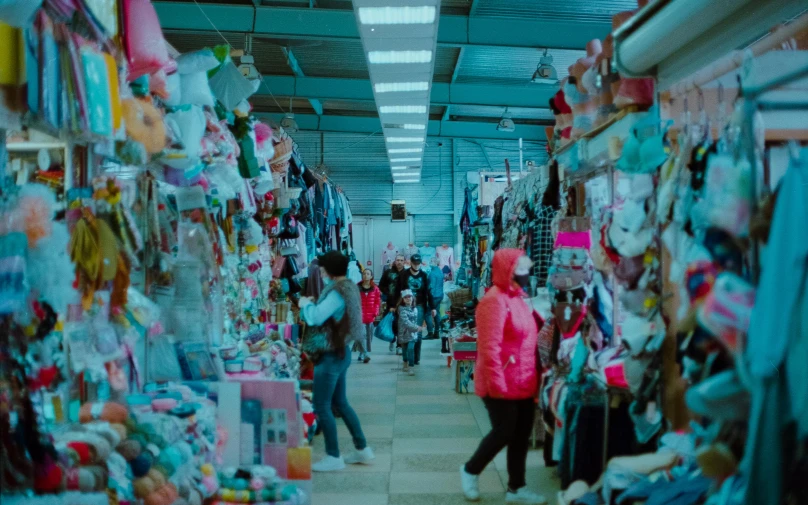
[417, 281]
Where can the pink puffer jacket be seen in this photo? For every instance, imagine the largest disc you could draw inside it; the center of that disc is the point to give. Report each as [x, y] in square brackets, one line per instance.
[506, 336]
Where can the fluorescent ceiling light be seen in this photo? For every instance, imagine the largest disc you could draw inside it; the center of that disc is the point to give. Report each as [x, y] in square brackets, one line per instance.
[397, 15]
[411, 126]
[403, 109]
[405, 167]
[393, 57]
[400, 87]
[402, 140]
[405, 181]
[406, 150]
[404, 160]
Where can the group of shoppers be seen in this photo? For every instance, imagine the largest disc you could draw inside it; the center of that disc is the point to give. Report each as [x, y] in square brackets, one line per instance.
[506, 374]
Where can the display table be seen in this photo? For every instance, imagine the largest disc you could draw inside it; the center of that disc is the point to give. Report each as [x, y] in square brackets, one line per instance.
[464, 356]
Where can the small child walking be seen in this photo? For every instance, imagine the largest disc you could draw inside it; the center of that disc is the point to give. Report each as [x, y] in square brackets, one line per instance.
[371, 305]
[409, 331]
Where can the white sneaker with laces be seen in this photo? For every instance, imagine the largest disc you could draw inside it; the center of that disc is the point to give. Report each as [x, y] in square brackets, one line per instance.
[524, 495]
[470, 484]
[363, 457]
[329, 464]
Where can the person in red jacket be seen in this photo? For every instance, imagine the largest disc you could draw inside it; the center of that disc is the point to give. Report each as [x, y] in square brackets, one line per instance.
[505, 375]
[371, 305]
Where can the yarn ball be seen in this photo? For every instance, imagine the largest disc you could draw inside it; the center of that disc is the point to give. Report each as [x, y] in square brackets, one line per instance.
[80, 452]
[48, 477]
[158, 478]
[153, 449]
[207, 469]
[141, 464]
[257, 483]
[80, 479]
[105, 430]
[130, 449]
[120, 430]
[163, 404]
[100, 476]
[109, 411]
[211, 484]
[240, 484]
[139, 438]
[144, 486]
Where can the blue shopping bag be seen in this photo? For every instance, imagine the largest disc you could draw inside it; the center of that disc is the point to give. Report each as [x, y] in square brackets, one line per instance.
[384, 331]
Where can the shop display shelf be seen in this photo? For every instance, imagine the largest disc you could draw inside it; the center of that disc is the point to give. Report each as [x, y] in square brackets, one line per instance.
[597, 148]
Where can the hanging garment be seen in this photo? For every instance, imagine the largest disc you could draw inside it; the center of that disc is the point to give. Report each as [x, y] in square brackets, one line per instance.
[446, 258]
[314, 285]
[427, 253]
[389, 256]
[409, 252]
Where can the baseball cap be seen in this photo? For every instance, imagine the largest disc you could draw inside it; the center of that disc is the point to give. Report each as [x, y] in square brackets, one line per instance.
[416, 259]
[406, 293]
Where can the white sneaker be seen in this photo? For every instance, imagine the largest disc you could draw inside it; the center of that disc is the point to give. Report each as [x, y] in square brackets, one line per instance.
[524, 495]
[363, 457]
[411, 372]
[470, 484]
[328, 464]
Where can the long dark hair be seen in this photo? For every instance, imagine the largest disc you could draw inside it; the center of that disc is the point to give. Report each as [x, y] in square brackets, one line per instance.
[552, 194]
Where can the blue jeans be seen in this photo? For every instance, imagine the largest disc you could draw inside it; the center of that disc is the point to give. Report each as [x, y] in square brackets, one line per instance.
[433, 322]
[329, 389]
[409, 352]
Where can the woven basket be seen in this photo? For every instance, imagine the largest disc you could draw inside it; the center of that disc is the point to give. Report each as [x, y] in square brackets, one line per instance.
[283, 150]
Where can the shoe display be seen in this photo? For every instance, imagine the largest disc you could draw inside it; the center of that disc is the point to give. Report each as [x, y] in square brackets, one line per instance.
[329, 464]
[363, 457]
[470, 484]
[524, 495]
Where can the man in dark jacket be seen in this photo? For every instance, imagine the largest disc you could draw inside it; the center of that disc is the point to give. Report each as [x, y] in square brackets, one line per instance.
[389, 288]
[417, 281]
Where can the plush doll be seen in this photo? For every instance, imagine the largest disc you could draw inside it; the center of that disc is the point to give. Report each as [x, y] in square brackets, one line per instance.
[584, 106]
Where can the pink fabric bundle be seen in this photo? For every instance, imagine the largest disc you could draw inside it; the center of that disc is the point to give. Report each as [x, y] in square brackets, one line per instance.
[573, 239]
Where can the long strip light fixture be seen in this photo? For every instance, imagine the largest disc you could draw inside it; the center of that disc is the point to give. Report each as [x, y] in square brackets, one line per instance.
[400, 43]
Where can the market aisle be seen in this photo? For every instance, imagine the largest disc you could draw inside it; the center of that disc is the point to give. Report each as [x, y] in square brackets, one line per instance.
[421, 431]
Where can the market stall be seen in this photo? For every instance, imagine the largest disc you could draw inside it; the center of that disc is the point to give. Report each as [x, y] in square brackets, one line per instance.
[155, 237]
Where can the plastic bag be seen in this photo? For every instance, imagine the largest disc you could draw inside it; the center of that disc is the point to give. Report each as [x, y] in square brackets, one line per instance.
[162, 358]
[230, 87]
[145, 44]
[195, 90]
[384, 331]
[197, 61]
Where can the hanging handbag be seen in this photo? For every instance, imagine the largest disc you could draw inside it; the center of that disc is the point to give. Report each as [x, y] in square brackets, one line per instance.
[317, 341]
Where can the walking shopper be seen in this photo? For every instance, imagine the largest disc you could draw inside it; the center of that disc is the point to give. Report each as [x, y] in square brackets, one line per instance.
[416, 280]
[371, 304]
[340, 309]
[436, 288]
[409, 330]
[389, 288]
[505, 375]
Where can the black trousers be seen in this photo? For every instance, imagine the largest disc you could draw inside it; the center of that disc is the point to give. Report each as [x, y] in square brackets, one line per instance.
[511, 425]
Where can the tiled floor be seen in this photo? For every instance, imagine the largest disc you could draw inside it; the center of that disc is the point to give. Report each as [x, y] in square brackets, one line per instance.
[421, 431]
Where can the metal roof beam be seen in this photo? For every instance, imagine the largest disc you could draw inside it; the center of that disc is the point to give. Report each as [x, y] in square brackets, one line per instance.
[329, 24]
[448, 129]
[295, 68]
[331, 88]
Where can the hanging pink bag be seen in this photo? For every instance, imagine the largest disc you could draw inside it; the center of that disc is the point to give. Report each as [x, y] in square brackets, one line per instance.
[145, 45]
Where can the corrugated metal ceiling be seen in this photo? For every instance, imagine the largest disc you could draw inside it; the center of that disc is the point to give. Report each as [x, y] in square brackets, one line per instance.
[269, 58]
[493, 111]
[265, 103]
[333, 58]
[445, 59]
[509, 65]
[582, 10]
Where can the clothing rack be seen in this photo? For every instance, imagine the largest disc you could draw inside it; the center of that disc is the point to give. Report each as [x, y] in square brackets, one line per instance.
[751, 95]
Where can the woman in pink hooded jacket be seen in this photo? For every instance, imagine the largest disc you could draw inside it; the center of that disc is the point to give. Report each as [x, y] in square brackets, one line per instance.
[505, 375]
